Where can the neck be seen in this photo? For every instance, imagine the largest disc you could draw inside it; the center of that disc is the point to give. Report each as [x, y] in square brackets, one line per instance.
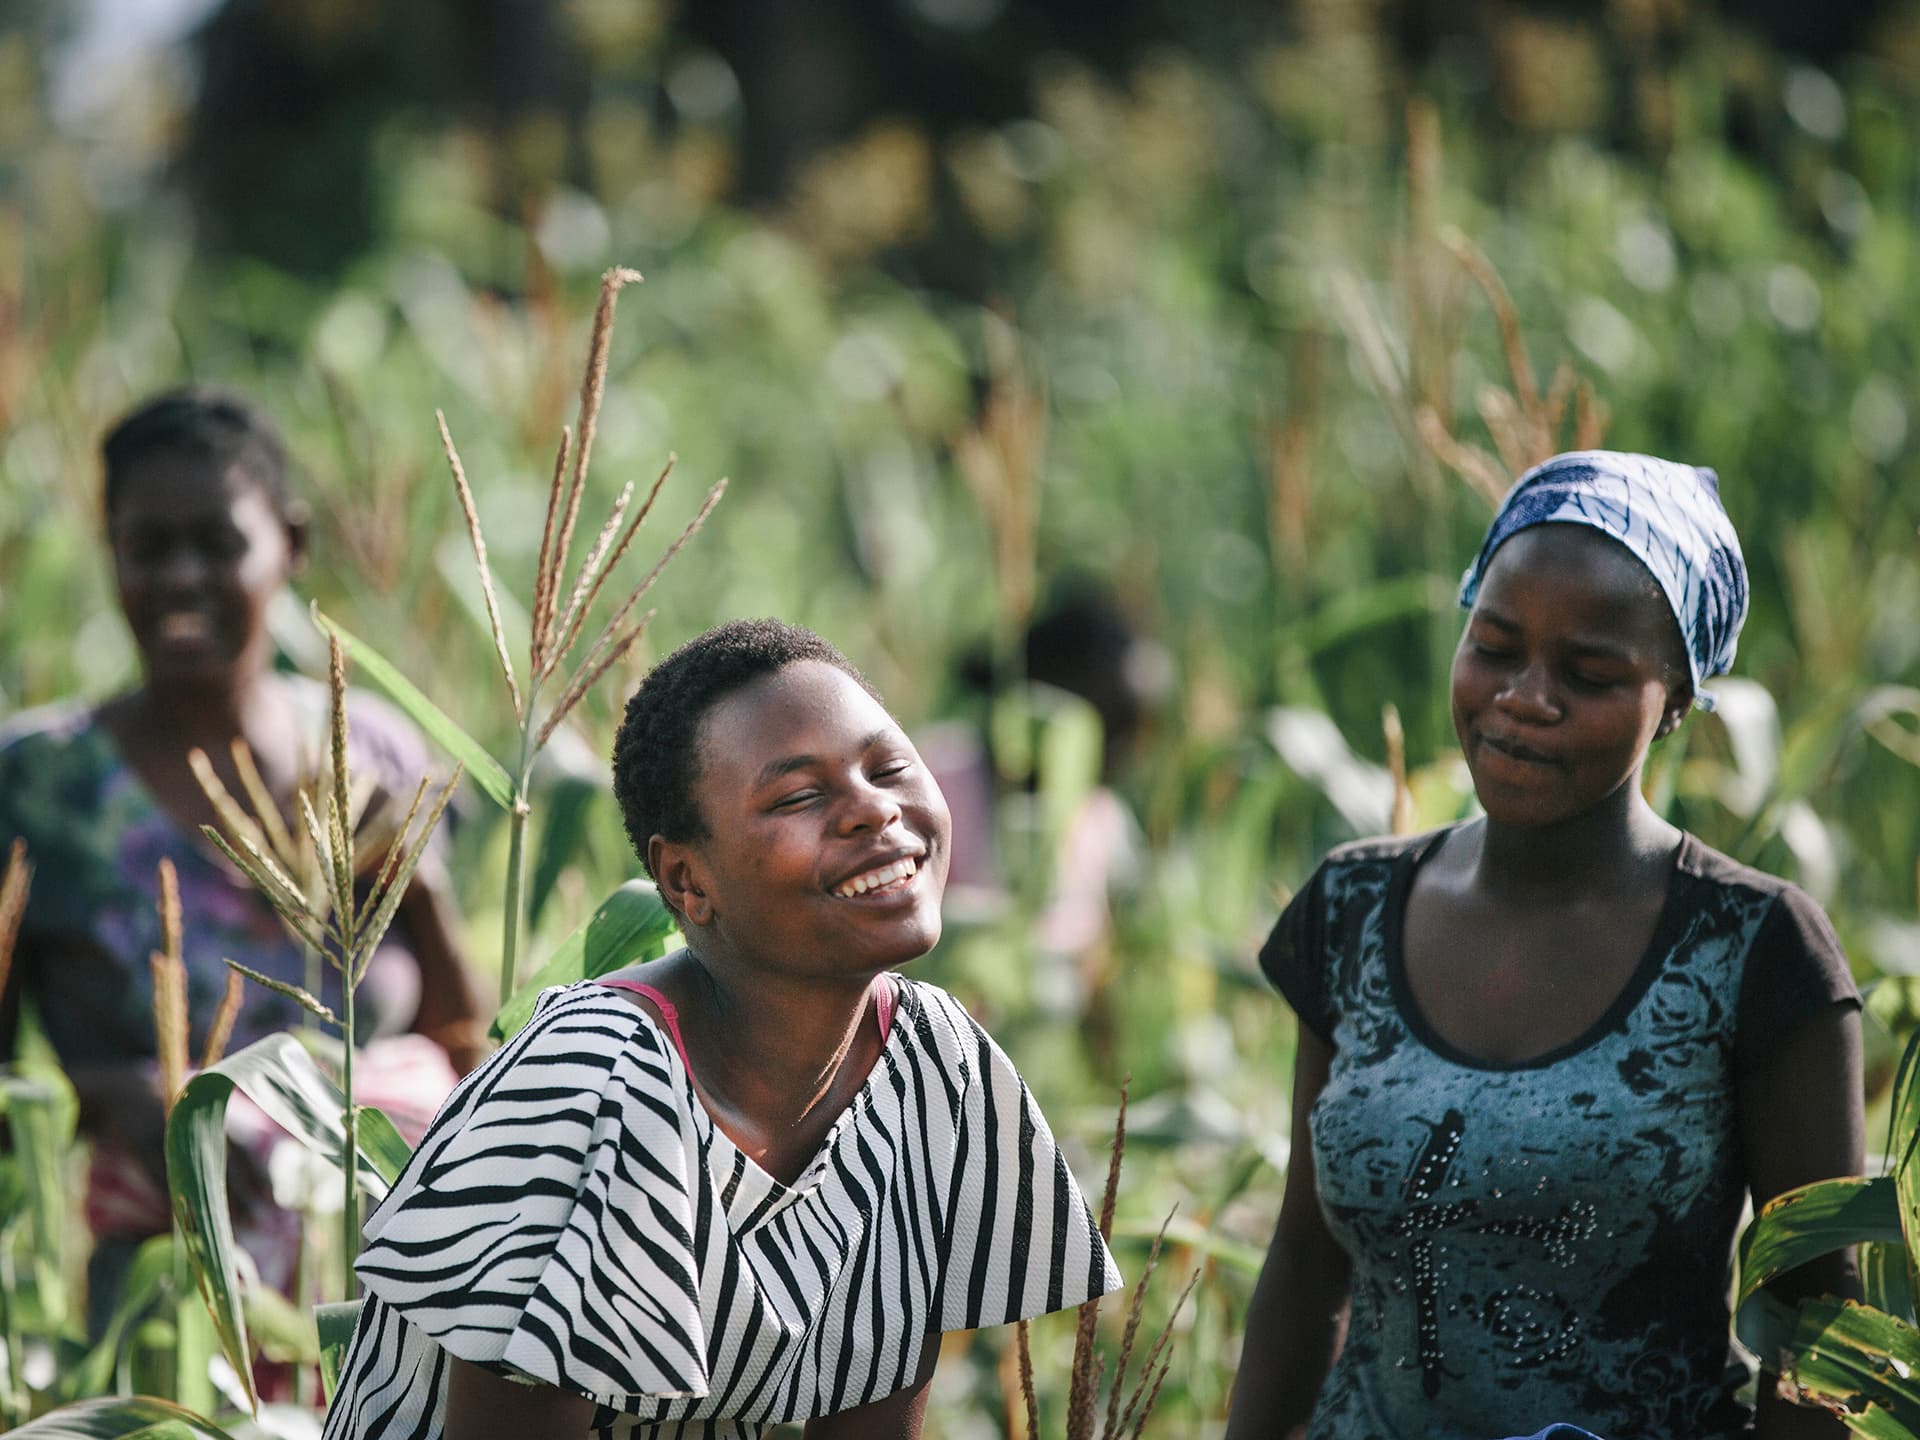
[770, 1046]
[197, 712]
[1598, 850]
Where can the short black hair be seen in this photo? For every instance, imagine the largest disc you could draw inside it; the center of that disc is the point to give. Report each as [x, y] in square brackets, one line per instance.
[221, 426]
[656, 758]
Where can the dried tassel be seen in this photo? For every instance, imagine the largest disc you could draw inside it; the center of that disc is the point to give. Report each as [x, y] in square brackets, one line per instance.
[480, 561]
[1154, 1357]
[1526, 387]
[589, 675]
[265, 807]
[545, 581]
[1136, 1307]
[170, 1021]
[340, 816]
[221, 1030]
[14, 884]
[1590, 418]
[1475, 466]
[368, 935]
[289, 903]
[598, 657]
[593, 576]
[593, 385]
[1114, 1155]
[1023, 1345]
[396, 847]
[225, 807]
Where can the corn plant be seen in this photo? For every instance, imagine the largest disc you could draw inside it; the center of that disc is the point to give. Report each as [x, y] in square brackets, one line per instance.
[333, 920]
[559, 617]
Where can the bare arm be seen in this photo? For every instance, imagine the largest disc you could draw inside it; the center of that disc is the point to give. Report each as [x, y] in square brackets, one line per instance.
[892, 1417]
[1801, 1120]
[483, 1406]
[1298, 1318]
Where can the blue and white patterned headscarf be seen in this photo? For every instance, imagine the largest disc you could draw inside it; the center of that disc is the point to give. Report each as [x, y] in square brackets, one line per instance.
[1668, 515]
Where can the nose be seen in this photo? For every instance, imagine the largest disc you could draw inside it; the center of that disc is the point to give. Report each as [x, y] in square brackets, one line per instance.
[868, 807]
[1529, 696]
[180, 567]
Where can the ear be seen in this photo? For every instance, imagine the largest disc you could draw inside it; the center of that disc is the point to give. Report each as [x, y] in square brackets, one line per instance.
[1679, 702]
[299, 531]
[676, 868]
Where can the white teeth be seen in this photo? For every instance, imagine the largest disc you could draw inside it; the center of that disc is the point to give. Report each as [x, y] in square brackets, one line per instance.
[886, 875]
[184, 625]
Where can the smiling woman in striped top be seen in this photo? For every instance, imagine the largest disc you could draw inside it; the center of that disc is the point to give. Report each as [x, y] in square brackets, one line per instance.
[756, 1186]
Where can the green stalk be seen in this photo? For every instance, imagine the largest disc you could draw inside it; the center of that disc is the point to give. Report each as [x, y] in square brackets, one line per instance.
[517, 857]
[516, 878]
[350, 1202]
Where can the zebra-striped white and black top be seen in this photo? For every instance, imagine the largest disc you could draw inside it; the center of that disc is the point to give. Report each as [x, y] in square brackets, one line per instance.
[574, 1217]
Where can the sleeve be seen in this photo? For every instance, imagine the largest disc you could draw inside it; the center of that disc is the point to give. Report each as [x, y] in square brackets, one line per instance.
[1021, 1241]
[544, 1228]
[1795, 969]
[1295, 956]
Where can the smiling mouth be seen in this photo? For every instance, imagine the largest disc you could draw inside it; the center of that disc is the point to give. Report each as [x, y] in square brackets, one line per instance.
[1517, 752]
[179, 627]
[888, 879]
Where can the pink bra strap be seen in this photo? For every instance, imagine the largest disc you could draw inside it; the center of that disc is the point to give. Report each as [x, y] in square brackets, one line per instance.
[884, 998]
[667, 1013]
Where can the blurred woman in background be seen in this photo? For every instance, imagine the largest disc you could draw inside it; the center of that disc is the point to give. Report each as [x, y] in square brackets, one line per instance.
[204, 533]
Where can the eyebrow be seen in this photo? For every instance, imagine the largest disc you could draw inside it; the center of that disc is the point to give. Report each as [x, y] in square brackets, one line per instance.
[1589, 649]
[787, 764]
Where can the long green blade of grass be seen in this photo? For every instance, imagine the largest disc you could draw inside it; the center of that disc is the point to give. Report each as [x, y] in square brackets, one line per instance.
[488, 773]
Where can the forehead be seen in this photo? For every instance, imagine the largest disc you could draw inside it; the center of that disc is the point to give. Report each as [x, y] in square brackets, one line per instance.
[182, 483]
[808, 707]
[1575, 575]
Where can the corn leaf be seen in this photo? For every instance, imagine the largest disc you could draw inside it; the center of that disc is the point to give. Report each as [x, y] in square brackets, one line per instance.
[381, 1146]
[335, 1323]
[33, 1107]
[197, 1177]
[488, 773]
[567, 805]
[1903, 1150]
[146, 1282]
[1843, 1350]
[1885, 1280]
[140, 1418]
[1814, 1220]
[284, 1330]
[284, 1081]
[631, 926]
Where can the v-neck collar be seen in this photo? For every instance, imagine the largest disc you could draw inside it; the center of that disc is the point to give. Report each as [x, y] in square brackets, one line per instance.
[751, 1196]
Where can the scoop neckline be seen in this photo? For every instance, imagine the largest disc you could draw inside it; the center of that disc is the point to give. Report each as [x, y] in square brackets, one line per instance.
[1406, 1005]
[750, 1194]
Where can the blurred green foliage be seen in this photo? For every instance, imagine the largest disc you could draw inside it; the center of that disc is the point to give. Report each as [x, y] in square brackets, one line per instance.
[1218, 296]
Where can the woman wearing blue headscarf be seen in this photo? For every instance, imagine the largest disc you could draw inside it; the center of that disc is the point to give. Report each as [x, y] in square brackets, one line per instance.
[1546, 1055]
